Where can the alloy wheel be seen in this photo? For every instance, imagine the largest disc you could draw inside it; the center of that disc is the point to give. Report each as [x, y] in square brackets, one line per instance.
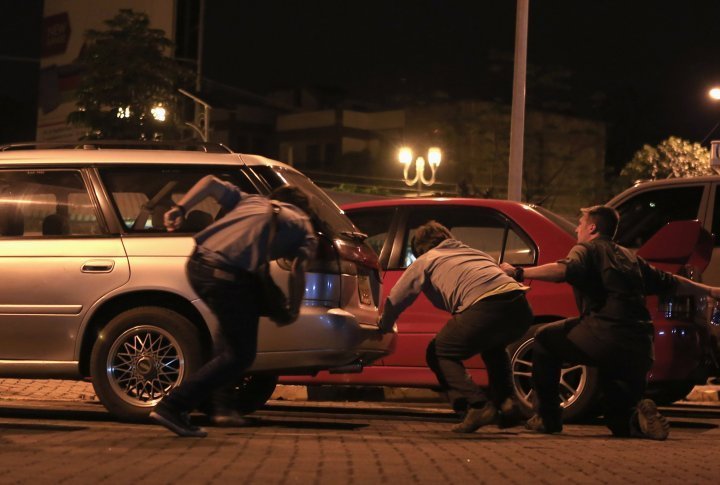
[143, 364]
[573, 379]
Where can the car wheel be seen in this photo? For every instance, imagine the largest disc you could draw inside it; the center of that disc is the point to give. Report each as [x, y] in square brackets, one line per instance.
[252, 392]
[139, 356]
[579, 395]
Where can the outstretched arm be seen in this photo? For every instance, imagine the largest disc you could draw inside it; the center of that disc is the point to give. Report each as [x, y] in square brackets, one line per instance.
[547, 272]
[689, 287]
[208, 186]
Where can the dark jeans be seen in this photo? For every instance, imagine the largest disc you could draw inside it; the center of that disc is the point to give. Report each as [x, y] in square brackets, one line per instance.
[235, 304]
[622, 374]
[486, 328]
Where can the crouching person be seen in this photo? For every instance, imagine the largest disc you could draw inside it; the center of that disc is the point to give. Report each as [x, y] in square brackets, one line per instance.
[489, 311]
[613, 333]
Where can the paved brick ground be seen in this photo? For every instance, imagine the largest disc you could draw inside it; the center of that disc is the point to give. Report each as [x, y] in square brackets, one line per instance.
[71, 439]
[285, 448]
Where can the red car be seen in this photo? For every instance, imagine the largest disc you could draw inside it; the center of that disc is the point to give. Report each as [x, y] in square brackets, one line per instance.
[525, 235]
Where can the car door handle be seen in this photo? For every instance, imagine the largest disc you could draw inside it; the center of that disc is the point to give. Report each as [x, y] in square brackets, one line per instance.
[98, 266]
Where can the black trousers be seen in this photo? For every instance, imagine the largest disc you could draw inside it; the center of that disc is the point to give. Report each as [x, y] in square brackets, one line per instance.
[622, 373]
[486, 328]
[235, 304]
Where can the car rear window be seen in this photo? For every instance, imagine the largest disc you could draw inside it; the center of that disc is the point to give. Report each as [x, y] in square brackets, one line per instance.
[327, 213]
[559, 221]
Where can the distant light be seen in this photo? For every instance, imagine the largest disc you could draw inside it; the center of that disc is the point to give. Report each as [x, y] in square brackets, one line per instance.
[714, 93]
[123, 112]
[652, 204]
[434, 156]
[405, 155]
[159, 113]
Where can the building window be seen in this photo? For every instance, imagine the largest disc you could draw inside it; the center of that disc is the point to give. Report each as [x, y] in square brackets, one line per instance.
[330, 153]
[312, 155]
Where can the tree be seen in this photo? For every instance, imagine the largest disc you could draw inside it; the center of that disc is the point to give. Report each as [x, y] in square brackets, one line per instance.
[673, 157]
[128, 90]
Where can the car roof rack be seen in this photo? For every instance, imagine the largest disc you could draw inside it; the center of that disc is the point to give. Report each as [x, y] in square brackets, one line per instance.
[121, 144]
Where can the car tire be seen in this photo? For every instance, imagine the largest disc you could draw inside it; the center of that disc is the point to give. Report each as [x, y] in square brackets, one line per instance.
[252, 392]
[139, 356]
[579, 384]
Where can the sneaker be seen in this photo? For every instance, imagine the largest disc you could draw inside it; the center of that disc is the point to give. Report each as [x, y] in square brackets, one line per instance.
[508, 414]
[652, 424]
[231, 419]
[540, 425]
[176, 421]
[476, 418]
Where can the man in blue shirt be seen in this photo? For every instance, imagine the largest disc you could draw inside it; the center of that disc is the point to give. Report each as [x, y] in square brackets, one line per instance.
[489, 311]
[222, 271]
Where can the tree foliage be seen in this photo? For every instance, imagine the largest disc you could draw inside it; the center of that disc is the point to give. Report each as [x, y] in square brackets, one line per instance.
[673, 157]
[127, 75]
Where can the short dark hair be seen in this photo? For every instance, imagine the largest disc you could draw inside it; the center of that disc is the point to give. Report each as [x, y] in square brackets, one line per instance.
[605, 218]
[292, 195]
[428, 236]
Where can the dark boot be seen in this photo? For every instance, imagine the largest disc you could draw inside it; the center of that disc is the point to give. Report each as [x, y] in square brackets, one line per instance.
[509, 414]
[544, 424]
[176, 421]
[476, 418]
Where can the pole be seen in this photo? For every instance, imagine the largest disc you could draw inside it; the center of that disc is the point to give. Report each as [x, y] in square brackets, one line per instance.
[517, 117]
[201, 35]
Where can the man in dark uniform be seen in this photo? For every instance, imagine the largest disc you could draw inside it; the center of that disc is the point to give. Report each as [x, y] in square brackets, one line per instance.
[613, 333]
[489, 311]
[222, 272]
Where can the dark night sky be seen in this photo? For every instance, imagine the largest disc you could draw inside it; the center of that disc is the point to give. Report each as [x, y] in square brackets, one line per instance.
[643, 66]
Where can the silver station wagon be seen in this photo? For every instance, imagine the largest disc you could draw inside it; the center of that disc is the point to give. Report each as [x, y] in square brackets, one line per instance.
[93, 286]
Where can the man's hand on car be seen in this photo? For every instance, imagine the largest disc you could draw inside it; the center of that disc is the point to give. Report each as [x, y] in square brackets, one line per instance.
[385, 326]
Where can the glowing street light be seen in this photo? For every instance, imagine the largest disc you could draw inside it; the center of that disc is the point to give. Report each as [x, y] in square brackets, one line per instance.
[434, 157]
[158, 112]
[714, 94]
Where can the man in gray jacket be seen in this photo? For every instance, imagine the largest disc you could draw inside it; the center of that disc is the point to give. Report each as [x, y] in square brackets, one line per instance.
[488, 311]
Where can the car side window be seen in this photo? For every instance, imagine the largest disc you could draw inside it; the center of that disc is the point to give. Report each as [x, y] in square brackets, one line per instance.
[46, 203]
[375, 223]
[143, 194]
[643, 215]
[479, 228]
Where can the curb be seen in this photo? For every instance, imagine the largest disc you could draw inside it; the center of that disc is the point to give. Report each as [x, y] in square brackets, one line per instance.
[704, 394]
[355, 393]
[709, 393]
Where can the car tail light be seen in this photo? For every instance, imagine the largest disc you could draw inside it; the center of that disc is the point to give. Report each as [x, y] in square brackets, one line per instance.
[680, 308]
[343, 257]
[348, 257]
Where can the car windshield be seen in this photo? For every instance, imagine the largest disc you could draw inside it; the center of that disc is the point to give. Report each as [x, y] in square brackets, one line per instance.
[559, 220]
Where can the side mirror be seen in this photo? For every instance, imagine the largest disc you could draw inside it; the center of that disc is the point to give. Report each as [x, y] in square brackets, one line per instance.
[679, 243]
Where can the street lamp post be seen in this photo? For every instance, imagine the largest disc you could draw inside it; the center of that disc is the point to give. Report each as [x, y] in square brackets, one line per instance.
[713, 94]
[434, 157]
[202, 124]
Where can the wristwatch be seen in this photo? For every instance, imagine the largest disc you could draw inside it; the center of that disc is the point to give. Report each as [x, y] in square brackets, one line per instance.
[180, 208]
[519, 275]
